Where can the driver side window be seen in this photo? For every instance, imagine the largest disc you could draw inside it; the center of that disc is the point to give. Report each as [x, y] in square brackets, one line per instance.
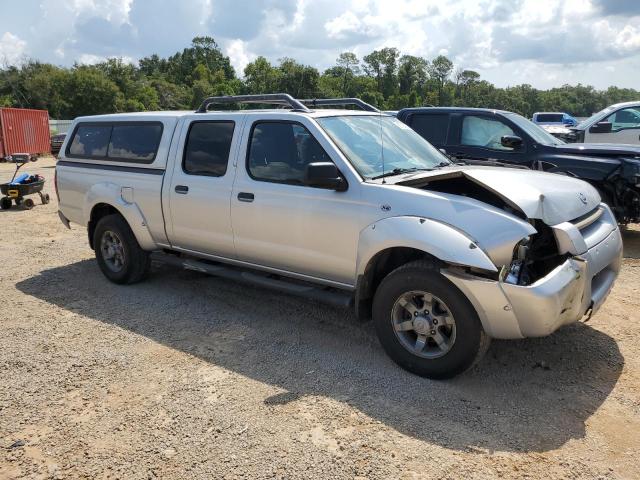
[484, 132]
[625, 118]
[280, 152]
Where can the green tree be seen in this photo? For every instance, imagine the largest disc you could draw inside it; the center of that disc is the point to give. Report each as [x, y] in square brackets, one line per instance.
[348, 66]
[90, 92]
[261, 77]
[298, 80]
[203, 51]
[383, 66]
[412, 74]
[440, 70]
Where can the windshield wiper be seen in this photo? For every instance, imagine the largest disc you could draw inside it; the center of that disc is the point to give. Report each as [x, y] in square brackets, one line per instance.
[400, 171]
[443, 164]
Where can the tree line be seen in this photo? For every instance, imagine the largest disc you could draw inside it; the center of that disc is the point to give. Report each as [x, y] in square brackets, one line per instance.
[385, 78]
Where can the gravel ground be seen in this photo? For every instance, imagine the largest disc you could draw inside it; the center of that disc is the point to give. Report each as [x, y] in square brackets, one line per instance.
[189, 376]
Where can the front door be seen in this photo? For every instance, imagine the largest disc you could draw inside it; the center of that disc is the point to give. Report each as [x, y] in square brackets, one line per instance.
[480, 138]
[625, 128]
[281, 223]
[201, 184]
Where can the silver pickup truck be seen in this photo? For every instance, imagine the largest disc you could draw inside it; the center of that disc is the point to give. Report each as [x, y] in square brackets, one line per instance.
[349, 207]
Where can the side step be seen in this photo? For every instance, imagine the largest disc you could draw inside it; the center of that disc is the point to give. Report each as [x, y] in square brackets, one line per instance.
[328, 295]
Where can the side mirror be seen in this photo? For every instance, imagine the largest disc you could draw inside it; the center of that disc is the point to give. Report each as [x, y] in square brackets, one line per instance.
[324, 175]
[511, 141]
[601, 127]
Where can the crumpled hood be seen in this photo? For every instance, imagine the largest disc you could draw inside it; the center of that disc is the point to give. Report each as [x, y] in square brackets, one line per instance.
[599, 149]
[550, 197]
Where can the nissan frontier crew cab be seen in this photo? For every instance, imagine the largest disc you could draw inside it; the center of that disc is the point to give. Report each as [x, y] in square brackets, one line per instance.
[344, 206]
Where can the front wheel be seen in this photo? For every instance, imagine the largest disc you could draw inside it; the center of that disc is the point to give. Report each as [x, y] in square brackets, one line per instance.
[425, 324]
[5, 203]
[117, 251]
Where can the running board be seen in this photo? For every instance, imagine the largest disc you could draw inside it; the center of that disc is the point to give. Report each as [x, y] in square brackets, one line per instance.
[328, 295]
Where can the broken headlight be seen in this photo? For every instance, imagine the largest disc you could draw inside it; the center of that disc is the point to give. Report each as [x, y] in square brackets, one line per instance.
[516, 273]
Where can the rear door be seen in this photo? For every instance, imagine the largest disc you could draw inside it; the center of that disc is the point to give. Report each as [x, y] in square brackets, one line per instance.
[201, 183]
[432, 126]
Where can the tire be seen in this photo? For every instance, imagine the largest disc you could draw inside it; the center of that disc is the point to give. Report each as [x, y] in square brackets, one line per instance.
[46, 199]
[5, 203]
[440, 344]
[28, 203]
[117, 251]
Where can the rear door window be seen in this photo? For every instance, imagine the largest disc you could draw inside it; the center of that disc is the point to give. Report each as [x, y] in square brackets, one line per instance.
[433, 127]
[207, 148]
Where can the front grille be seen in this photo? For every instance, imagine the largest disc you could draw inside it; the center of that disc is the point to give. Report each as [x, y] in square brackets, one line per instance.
[588, 219]
[595, 225]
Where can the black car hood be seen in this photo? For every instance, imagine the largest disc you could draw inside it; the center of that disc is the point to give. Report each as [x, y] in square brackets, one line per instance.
[604, 149]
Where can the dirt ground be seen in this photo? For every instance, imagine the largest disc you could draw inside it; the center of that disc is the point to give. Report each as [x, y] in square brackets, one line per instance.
[189, 376]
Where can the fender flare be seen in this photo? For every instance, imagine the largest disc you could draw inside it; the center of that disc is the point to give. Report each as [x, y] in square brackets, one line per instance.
[436, 238]
[112, 194]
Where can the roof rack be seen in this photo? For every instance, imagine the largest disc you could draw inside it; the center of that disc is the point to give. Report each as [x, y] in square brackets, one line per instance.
[321, 102]
[282, 99]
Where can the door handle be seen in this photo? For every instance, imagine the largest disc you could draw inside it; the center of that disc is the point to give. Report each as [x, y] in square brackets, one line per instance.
[183, 189]
[245, 197]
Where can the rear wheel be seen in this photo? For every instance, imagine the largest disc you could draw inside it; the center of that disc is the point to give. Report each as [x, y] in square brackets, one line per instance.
[5, 203]
[117, 251]
[425, 324]
[28, 203]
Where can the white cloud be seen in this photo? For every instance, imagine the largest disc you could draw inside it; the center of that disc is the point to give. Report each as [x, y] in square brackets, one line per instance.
[542, 42]
[239, 56]
[348, 22]
[12, 48]
[90, 59]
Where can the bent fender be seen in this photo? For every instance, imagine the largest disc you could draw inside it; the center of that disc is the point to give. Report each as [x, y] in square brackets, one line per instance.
[435, 238]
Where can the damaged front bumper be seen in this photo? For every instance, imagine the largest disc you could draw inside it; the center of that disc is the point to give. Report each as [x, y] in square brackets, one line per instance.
[576, 288]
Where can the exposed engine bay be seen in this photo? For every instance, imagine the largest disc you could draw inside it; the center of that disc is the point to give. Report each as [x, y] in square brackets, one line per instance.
[534, 257]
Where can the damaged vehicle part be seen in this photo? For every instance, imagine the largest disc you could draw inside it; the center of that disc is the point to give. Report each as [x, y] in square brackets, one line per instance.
[477, 135]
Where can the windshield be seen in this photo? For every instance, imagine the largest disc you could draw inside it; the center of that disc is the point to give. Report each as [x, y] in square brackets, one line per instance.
[536, 132]
[586, 123]
[366, 140]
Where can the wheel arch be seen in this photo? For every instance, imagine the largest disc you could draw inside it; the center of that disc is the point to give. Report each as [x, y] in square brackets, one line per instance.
[392, 242]
[99, 211]
[128, 211]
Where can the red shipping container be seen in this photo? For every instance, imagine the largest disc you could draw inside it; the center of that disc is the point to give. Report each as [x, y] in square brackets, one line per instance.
[24, 131]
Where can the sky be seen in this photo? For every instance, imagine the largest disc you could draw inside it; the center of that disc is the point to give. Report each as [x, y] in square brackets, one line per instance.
[545, 43]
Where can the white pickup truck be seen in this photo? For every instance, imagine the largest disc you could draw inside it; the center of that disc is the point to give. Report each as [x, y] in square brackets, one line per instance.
[349, 207]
